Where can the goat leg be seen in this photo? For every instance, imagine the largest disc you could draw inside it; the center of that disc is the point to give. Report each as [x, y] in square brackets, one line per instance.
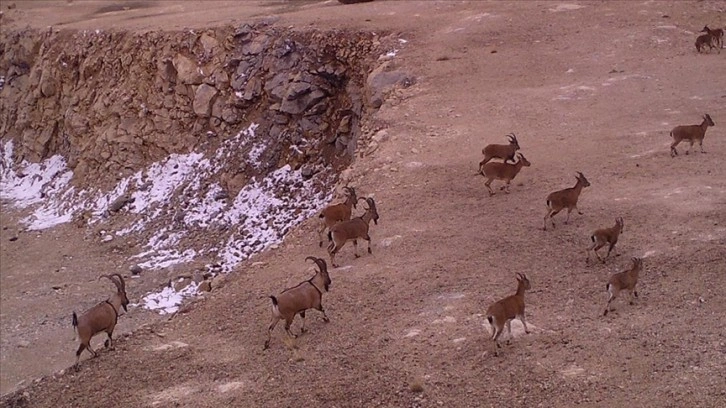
[325, 316]
[368, 238]
[355, 248]
[269, 331]
[302, 316]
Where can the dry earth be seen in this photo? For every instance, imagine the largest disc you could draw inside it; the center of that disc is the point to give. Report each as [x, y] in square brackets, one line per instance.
[592, 87]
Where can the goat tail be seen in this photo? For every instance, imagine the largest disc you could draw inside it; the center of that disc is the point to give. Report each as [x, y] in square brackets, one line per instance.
[321, 215]
[274, 301]
[490, 319]
[75, 326]
[592, 237]
[330, 236]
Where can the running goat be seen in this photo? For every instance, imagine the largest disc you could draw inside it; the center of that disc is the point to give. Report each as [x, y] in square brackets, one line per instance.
[605, 236]
[503, 311]
[352, 230]
[505, 152]
[503, 171]
[566, 198]
[692, 133]
[100, 318]
[625, 280]
[336, 213]
[296, 300]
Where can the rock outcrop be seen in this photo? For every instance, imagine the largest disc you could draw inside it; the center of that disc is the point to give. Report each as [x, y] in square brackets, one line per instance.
[111, 102]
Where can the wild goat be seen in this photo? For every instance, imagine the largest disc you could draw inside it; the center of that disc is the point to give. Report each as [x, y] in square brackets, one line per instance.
[336, 213]
[503, 311]
[691, 133]
[296, 300]
[503, 171]
[605, 236]
[102, 317]
[625, 280]
[505, 152]
[716, 36]
[704, 40]
[352, 230]
[566, 198]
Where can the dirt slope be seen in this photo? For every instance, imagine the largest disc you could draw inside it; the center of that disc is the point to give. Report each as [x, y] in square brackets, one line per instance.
[598, 99]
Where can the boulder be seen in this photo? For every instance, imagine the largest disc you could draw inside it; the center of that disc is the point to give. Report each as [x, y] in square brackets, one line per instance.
[188, 71]
[203, 99]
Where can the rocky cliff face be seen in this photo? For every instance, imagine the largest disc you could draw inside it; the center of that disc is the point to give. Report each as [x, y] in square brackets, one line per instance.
[178, 146]
[113, 102]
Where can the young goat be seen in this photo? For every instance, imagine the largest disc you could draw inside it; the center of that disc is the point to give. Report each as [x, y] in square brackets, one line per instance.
[352, 230]
[704, 40]
[691, 133]
[625, 280]
[296, 300]
[336, 213]
[503, 311]
[716, 36]
[566, 198]
[605, 236]
[503, 171]
[102, 317]
[505, 152]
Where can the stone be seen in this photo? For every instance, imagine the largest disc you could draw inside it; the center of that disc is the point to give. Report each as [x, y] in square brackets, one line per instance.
[181, 284]
[383, 79]
[301, 104]
[203, 97]
[135, 270]
[256, 46]
[205, 286]
[188, 71]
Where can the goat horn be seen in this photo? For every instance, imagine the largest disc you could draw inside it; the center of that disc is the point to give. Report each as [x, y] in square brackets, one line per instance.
[121, 279]
[322, 266]
[115, 282]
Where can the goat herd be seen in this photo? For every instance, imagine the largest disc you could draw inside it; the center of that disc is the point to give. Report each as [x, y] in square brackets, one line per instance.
[712, 39]
[342, 228]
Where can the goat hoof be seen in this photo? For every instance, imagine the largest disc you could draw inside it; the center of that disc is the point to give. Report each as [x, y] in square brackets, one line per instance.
[632, 303]
[357, 256]
[326, 320]
[266, 346]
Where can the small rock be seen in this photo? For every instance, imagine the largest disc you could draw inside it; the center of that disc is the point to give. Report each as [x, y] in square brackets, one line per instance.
[135, 270]
[182, 284]
[13, 238]
[205, 286]
[107, 238]
[23, 343]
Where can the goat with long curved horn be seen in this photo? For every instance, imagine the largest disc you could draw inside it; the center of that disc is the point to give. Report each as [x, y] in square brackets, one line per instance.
[100, 318]
[307, 295]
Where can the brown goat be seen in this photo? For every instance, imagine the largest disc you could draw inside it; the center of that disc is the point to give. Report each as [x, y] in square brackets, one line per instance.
[336, 213]
[352, 230]
[566, 198]
[503, 171]
[605, 236]
[100, 318]
[503, 311]
[691, 133]
[296, 300]
[625, 280]
[702, 41]
[505, 152]
[716, 36]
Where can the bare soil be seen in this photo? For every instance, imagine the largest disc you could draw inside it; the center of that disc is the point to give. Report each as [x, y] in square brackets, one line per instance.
[594, 88]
